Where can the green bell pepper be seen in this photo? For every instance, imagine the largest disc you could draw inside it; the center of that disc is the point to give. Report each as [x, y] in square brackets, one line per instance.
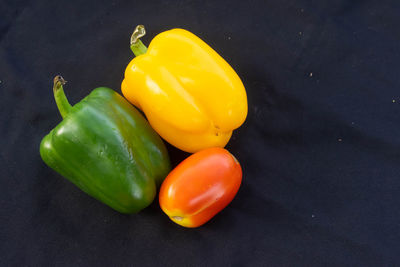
[106, 148]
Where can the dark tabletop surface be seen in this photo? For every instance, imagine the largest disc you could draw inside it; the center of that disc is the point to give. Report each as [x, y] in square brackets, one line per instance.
[320, 148]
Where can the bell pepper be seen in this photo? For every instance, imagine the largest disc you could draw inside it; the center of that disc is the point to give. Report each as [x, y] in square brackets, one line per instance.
[106, 148]
[189, 93]
[200, 187]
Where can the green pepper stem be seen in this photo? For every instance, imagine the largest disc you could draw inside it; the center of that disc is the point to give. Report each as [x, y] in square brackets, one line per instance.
[137, 47]
[61, 100]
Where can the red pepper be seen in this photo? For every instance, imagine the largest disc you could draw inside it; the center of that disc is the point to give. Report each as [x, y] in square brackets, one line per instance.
[200, 187]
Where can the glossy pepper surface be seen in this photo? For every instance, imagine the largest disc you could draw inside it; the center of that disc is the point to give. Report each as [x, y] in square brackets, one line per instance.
[190, 94]
[200, 187]
[106, 148]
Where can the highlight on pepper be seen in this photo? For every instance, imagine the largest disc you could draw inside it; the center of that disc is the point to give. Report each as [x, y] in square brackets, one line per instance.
[190, 95]
[200, 187]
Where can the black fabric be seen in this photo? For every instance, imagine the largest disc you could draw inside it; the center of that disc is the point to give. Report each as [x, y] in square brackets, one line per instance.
[319, 149]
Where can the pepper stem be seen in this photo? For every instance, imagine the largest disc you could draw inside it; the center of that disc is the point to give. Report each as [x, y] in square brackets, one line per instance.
[137, 47]
[61, 100]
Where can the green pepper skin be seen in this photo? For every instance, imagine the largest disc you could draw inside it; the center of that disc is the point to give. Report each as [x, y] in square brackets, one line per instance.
[107, 148]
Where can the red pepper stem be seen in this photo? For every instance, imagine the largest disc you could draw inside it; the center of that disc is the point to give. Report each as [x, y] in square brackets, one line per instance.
[137, 47]
[61, 100]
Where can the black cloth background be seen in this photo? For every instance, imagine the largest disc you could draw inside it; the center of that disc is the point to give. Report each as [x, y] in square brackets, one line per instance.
[319, 149]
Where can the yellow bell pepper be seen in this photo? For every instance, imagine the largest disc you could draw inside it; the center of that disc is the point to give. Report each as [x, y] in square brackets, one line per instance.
[189, 93]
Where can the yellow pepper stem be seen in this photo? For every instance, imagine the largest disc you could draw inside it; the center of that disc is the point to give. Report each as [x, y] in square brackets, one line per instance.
[137, 47]
[61, 100]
